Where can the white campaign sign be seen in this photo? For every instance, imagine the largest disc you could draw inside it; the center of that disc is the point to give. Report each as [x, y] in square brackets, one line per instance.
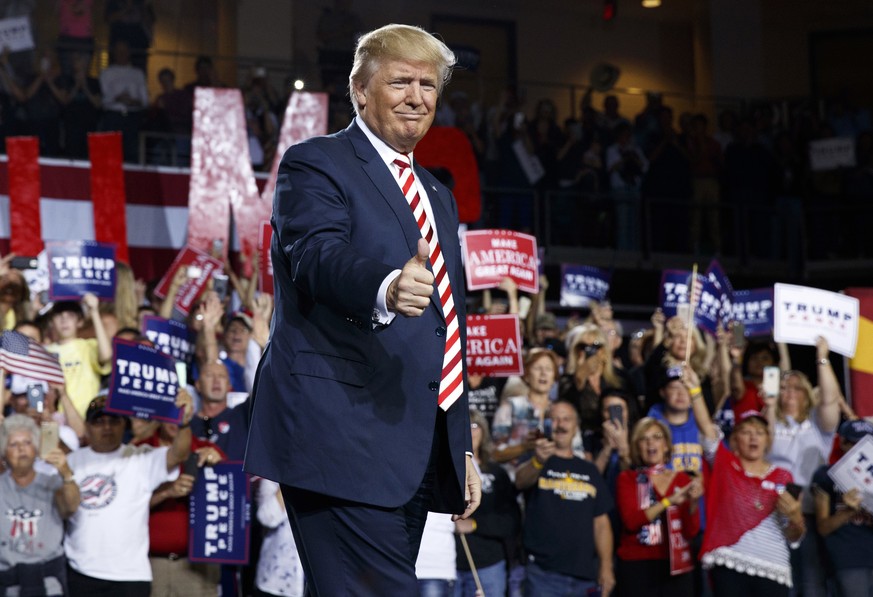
[802, 314]
[15, 34]
[855, 470]
[830, 154]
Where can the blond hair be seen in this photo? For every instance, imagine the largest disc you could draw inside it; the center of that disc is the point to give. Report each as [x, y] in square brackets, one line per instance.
[591, 330]
[399, 42]
[640, 429]
[808, 404]
[126, 307]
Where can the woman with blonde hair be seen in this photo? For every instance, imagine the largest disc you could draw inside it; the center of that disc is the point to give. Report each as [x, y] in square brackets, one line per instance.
[658, 509]
[519, 418]
[804, 421]
[126, 302]
[673, 351]
[589, 375]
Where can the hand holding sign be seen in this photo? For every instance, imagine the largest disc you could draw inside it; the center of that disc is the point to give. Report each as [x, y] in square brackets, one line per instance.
[409, 294]
[185, 403]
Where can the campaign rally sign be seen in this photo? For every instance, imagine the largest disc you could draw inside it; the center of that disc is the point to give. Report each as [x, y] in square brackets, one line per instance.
[581, 284]
[754, 309]
[493, 345]
[802, 314]
[491, 255]
[707, 311]
[197, 262]
[675, 286]
[855, 471]
[144, 383]
[833, 153]
[219, 515]
[724, 290]
[77, 267]
[265, 263]
[173, 338]
[15, 34]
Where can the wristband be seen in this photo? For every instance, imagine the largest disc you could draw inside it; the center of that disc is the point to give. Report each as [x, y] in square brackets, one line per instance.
[475, 526]
[536, 463]
[824, 362]
[184, 425]
[695, 391]
[665, 502]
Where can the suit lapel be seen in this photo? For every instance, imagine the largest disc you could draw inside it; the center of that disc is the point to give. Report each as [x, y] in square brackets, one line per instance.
[384, 181]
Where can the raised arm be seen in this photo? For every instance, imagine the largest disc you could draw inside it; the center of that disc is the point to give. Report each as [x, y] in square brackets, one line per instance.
[707, 428]
[181, 446]
[828, 409]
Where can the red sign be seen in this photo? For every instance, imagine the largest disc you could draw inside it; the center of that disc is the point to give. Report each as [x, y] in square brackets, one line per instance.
[265, 264]
[491, 255]
[493, 345]
[198, 263]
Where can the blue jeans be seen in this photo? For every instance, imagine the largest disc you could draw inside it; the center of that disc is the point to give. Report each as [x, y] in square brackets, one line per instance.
[436, 587]
[542, 583]
[856, 582]
[493, 579]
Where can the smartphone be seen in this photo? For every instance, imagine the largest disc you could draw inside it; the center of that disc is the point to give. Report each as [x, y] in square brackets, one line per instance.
[24, 263]
[739, 333]
[616, 414]
[36, 396]
[794, 489]
[547, 428]
[771, 381]
[219, 285]
[48, 439]
[194, 271]
[190, 465]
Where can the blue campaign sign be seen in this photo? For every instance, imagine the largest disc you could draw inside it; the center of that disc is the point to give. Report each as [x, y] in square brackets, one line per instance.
[219, 515]
[724, 289]
[754, 309]
[171, 337]
[582, 283]
[144, 383]
[674, 290]
[708, 309]
[81, 266]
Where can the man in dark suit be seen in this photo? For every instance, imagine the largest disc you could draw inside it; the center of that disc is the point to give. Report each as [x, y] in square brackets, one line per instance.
[359, 407]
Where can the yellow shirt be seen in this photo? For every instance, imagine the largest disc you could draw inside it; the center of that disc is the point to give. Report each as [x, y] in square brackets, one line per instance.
[82, 370]
[9, 320]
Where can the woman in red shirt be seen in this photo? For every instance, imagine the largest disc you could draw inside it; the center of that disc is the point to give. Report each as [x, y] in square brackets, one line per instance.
[658, 509]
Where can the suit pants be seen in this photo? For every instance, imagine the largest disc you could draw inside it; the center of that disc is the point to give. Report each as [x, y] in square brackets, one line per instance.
[353, 549]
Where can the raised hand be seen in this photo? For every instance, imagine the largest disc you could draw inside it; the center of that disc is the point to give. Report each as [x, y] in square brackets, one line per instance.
[409, 294]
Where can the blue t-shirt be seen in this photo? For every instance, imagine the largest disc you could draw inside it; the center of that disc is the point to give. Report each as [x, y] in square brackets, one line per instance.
[687, 452]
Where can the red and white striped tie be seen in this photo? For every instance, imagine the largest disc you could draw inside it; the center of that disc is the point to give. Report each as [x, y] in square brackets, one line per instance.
[451, 382]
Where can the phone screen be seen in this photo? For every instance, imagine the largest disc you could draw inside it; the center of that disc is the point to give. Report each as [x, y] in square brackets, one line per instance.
[616, 413]
[48, 439]
[771, 381]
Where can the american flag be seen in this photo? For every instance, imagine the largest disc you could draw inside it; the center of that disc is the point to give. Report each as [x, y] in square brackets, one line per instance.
[19, 354]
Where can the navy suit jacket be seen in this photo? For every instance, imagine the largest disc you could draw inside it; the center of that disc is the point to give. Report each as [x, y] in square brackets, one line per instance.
[341, 408]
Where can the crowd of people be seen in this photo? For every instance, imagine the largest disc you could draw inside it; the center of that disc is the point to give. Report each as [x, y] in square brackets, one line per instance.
[661, 469]
[746, 176]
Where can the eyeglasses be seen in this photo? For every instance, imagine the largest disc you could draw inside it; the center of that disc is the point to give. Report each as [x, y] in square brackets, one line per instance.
[589, 349]
[655, 437]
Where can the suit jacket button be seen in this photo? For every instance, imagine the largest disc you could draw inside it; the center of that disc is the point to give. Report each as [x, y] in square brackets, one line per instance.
[440, 331]
[434, 386]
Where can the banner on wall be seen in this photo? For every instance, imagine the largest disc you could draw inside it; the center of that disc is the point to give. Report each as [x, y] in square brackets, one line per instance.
[491, 255]
[802, 314]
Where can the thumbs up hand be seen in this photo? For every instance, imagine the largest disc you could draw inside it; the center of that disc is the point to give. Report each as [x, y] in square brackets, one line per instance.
[409, 293]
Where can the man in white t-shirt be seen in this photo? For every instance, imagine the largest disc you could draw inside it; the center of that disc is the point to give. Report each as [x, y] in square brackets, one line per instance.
[107, 541]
